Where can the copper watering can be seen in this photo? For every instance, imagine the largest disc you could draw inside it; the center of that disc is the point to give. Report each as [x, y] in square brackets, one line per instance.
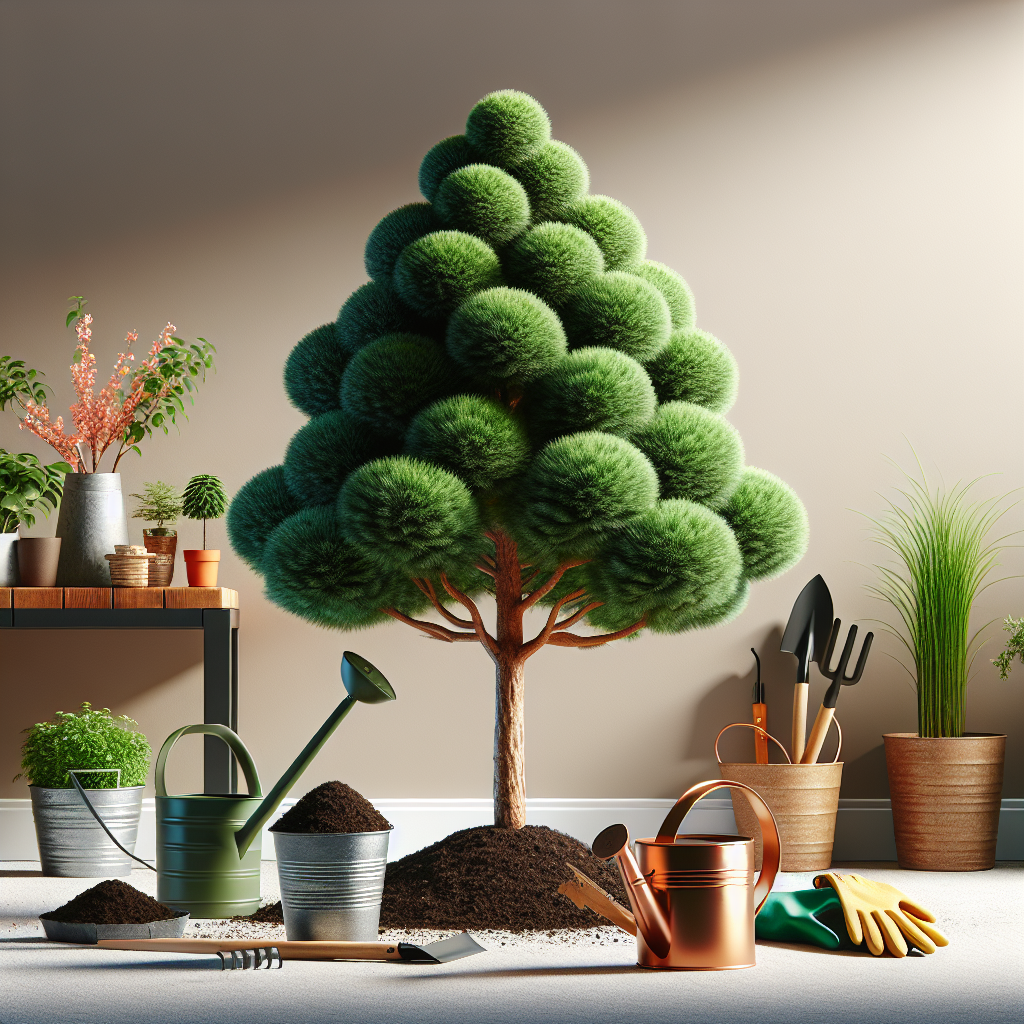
[694, 896]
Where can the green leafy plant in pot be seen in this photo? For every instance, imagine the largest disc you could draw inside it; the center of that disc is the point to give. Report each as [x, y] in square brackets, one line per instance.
[110, 759]
[204, 498]
[159, 503]
[945, 782]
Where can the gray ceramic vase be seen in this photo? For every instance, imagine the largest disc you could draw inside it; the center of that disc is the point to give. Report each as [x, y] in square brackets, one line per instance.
[91, 521]
[9, 559]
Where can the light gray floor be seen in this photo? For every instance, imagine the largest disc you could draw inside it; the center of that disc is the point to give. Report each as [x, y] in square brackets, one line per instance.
[977, 979]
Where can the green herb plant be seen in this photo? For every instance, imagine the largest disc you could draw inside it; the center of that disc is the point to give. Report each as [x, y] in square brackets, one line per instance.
[89, 739]
[27, 487]
[19, 384]
[943, 557]
[159, 503]
[204, 498]
[1014, 646]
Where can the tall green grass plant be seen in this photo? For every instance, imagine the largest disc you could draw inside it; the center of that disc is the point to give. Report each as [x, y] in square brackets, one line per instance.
[943, 557]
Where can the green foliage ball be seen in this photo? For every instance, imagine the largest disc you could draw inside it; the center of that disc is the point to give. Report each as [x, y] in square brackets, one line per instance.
[675, 290]
[552, 261]
[393, 234]
[485, 201]
[698, 455]
[448, 155]
[678, 620]
[325, 451]
[409, 514]
[391, 379]
[369, 313]
[89, 739]
[204, 497]
[695, 367]
[591, 389]
[439, 271]
[770, 523]
[554, 177]
[579, 489]
[614, 227]
[476, 438]
[260, 507]
[505, 336]
[313, 371]
[620, 311]
[312, 571]
[506, 127]
[677, 555]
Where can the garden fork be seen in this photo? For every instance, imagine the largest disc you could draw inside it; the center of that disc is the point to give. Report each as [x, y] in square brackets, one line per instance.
[254, 959]
[839, 679]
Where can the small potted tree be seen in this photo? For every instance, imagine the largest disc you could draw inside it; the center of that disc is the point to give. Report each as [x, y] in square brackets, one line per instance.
[204, 498]
[159, 503]
[945, 782]
[110, 759]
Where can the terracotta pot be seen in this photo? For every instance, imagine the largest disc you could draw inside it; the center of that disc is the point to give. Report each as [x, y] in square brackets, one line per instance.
[945, 799]
[163, 543]
[803, 799]
[201, 567]
[37, 561]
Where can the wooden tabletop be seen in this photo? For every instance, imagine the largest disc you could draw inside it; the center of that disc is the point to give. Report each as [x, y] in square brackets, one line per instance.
[118, 597]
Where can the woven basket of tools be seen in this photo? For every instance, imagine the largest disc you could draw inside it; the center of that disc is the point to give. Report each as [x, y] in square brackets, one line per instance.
[161, 570]
[129, 565]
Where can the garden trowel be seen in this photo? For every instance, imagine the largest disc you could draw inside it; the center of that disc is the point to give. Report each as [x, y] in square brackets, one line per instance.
[806, 636]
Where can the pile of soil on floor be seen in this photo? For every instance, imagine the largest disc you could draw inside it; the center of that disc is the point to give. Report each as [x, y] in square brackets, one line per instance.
[332, 807]
[498, 878]
[112, 902]
[272, 913]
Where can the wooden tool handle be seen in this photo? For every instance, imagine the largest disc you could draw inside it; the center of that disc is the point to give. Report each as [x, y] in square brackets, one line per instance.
[818, 733]
[760, 740]
[584, 892]
[799, 720]
[288, 950]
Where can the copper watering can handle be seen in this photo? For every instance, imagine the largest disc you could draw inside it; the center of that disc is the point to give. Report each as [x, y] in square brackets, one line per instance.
[771, 850]
[231, 738]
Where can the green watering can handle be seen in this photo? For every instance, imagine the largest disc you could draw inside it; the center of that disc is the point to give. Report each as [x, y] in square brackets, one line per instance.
[231, 738]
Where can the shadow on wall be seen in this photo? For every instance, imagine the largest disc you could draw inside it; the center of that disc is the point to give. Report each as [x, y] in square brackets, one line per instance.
[151, 676]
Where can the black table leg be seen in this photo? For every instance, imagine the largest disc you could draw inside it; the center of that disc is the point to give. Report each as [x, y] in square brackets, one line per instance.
[220, 690]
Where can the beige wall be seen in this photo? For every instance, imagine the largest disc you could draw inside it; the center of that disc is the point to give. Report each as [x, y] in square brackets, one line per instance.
[840, 184]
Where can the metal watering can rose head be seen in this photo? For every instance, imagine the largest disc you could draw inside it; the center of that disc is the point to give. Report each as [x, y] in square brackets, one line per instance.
[694, 896]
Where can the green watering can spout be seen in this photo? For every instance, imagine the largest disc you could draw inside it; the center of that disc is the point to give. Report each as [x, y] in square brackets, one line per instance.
[365, 684]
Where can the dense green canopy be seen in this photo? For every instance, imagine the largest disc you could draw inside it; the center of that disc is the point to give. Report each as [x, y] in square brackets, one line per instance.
[515, 363]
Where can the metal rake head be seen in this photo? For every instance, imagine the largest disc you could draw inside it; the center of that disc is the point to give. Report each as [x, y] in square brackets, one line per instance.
[250, 959]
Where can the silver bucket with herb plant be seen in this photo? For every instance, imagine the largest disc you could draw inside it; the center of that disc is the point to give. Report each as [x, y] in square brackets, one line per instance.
[110, 761]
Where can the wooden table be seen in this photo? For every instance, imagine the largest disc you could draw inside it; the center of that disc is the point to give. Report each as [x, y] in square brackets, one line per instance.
[214, 610]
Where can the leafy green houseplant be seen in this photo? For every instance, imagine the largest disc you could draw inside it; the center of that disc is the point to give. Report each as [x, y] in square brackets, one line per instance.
[945, 782]
[204, 498]
[518, 404]
[71, 844]
[159, 503]
[1014, 646]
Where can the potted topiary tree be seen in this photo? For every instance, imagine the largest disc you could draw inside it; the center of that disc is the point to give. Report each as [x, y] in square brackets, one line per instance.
[518, 404]
[110, 760]
[945, 783]
[204, 498]
[159, 503]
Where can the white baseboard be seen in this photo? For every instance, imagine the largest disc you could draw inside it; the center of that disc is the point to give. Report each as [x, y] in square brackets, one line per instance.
[863, 827]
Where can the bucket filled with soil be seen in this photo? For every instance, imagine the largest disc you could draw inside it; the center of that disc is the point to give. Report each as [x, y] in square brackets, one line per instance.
[332, 852]
[113, 910]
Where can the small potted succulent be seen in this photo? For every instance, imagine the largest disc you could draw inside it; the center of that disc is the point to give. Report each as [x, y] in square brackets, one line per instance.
[204, 498]
[159, 503]
[110, 759]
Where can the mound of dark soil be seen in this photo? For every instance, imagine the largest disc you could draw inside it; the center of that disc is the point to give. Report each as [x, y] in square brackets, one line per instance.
[332, 807]
[112, 902]
[491, 877]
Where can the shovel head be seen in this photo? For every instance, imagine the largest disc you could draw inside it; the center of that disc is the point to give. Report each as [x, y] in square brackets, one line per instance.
[810, 623]
[442, 951]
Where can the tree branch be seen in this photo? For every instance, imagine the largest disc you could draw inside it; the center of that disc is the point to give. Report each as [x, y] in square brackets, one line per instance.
[484, 569]
[438, 632]
[531, 599]
[544, 635]
[576, 616]
[478, 622]
[428, 589]
[574, 640]
[529, 579]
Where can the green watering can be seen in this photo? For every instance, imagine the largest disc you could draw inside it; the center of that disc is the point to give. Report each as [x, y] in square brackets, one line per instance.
[208, 845]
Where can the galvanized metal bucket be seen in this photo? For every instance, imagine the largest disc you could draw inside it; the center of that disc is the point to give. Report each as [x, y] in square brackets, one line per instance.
[91, 522]
[331, 884]
[71, 842]
[197, 861]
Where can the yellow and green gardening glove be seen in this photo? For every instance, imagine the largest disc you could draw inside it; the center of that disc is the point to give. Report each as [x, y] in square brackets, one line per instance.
[881, 915]
[812, 917]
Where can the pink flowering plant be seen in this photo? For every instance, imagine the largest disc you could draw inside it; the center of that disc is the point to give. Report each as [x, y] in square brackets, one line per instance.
[131, 405]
